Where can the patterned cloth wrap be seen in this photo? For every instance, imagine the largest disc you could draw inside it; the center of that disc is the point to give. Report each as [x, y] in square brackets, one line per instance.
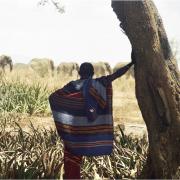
[81, 135]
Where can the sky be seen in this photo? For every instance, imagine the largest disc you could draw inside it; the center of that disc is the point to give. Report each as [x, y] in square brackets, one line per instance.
[87, 31]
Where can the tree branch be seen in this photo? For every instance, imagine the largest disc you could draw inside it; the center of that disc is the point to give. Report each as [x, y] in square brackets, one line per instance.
[55, 3]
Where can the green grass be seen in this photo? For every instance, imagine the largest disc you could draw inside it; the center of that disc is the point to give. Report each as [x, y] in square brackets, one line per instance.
[16, 96]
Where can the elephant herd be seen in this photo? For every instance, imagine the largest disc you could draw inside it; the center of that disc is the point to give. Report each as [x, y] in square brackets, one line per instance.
[45, 67]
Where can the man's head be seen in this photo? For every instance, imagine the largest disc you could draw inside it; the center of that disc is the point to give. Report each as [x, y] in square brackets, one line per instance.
[86, 70]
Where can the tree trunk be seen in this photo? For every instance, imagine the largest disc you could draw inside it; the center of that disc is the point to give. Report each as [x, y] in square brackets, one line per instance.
[157, 85]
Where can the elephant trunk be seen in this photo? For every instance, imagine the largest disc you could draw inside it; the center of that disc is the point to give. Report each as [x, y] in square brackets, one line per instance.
[11, 66]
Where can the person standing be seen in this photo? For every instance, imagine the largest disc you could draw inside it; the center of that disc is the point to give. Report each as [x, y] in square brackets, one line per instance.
[82, 111]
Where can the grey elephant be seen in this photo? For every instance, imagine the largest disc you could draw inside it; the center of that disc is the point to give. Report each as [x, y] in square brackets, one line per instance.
[4, 61]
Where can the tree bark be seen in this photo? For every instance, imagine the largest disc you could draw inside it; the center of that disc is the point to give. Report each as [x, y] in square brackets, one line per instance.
[157, 84]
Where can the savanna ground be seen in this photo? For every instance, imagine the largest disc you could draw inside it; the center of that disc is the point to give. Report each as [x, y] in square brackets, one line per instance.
[30, 146]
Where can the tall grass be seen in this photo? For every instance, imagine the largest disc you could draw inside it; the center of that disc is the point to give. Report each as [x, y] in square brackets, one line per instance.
[25, 95]
[26, 92]
[16, 96]
[39, 154]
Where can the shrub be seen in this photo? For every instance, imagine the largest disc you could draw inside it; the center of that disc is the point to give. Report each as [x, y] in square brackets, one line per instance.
[23, 98]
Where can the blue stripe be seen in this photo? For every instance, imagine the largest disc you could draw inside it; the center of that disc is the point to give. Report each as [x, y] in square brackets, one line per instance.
[81, 121]
[86, 138]
[93, 151]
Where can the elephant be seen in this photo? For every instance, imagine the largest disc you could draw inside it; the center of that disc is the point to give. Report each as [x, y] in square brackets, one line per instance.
[43, 67]
[6, 60]
[68, 69]
[102, 69]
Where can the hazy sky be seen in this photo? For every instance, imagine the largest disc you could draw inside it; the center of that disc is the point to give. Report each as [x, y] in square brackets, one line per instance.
[87, 31]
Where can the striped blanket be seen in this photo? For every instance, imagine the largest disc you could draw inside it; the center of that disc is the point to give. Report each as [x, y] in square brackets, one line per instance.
[80, 135]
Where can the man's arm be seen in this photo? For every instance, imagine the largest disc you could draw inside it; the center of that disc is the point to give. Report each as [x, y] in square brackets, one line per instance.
[119, 72]
[122, 70]
[108, 79]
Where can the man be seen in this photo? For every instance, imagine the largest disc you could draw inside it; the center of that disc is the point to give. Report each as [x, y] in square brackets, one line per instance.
[82, 111]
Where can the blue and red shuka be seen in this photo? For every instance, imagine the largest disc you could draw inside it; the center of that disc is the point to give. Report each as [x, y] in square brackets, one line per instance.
[82, 112]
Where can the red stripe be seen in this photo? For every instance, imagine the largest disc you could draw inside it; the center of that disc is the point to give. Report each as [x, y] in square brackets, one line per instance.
[84, 132]
[86, 145]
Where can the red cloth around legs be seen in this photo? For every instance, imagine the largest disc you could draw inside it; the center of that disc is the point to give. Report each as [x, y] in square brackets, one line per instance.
[72, 165]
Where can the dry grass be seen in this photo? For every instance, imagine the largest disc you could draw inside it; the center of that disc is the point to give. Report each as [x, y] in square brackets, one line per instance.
[125, 106]
[39, 154]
